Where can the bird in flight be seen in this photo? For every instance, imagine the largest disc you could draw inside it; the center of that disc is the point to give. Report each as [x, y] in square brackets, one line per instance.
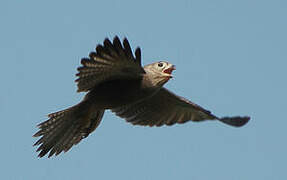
[114, 79]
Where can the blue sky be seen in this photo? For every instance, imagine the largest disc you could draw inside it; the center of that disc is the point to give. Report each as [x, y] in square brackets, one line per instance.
[230, 58]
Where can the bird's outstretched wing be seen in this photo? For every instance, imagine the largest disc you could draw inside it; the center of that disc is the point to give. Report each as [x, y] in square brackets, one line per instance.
[111, 61]
[165, 108]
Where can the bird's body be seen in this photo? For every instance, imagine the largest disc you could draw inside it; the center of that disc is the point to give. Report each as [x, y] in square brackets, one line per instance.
[115, 79]
[116, 93]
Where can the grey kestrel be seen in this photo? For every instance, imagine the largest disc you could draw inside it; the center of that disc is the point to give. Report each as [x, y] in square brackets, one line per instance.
[115, 79]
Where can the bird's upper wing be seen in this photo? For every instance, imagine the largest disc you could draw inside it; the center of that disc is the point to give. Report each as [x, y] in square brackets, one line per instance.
[111, 61]
[165, 108]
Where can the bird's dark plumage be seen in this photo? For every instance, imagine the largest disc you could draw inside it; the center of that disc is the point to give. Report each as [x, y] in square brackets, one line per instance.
[114, 78]
[110, 61]
[166, 108]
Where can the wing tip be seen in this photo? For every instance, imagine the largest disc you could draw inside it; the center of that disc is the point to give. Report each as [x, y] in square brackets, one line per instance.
[93, 55]
[116, 38]
[236, 121]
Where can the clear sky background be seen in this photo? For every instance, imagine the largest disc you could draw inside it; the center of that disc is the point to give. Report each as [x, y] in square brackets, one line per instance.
[231, 58]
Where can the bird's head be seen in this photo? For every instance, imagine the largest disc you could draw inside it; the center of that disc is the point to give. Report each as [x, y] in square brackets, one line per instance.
[159, 73]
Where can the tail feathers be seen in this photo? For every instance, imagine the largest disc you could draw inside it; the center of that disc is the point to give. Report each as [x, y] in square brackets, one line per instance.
[236, 121]
[67, 128]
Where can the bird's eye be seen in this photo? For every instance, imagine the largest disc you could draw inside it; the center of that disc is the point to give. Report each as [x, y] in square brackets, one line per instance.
[160, 64]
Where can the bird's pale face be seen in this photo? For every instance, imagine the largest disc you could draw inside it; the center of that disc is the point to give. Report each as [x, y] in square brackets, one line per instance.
[160, 72]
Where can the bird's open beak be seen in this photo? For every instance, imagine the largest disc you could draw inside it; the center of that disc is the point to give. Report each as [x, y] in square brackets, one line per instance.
[169, 70]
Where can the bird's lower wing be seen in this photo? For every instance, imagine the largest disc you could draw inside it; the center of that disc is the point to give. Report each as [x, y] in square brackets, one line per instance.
[165, 108]
[111, 61]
